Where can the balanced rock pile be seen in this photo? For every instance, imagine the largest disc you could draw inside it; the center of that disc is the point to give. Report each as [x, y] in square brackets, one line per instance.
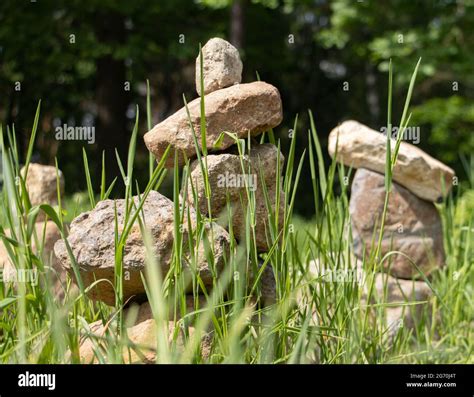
[413, 226]
[92, 240]
[41, 185]
[240, 109]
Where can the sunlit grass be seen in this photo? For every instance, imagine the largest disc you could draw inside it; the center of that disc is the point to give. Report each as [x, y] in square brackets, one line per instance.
[313, 320]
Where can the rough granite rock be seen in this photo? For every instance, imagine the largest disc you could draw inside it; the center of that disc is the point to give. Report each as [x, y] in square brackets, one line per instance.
[361, 147]
[41, 185]
[91, 239]
[413, 226]
[392, 290]
[47, 233]
[141, 331]
[227, 178]
[137, 313]
[394, 293]
[241, 109]
[268, 286]
[222, 66]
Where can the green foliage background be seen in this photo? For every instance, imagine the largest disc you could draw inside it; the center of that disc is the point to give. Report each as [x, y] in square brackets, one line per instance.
[307, 48]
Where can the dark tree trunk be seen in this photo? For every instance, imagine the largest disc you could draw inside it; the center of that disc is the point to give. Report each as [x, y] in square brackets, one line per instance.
[237, 20]
[111, 97]
[372, 96]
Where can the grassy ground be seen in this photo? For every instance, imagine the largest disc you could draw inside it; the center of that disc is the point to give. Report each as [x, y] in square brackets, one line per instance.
[313, 320]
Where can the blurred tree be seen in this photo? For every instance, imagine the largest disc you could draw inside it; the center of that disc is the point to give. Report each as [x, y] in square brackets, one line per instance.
[88, 60]
[451, 122]
[440, 32]
[237, 23]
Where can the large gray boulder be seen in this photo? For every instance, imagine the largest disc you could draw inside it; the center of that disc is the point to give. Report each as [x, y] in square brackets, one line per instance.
[413, 226]
[229, 176]
[92, 242]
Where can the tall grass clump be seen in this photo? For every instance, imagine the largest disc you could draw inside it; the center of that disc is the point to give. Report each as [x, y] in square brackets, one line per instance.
[312, 321]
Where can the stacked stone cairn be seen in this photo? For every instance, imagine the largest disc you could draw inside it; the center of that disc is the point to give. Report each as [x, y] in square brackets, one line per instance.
[41, 185]
[241, 109]
[413, 225]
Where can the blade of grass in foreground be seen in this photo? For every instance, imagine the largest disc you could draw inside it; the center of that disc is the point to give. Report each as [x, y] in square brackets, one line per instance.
[319, 153]
[388, 159]
[202, 100]
[393, 159]
[151, 158]
[388, 178]
[32, 139]
[405, 119]
[90, 190]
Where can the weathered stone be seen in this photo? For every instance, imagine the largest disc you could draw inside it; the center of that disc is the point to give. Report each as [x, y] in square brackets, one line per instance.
[405, 302]
[41, 185]
[324, 269]
[92, 242]
[414, 299]
[222, 66]
[268, 286]
[141, 332]
[227, 178]
[413, 226]
[361, 147]
[241, 109]
[137, 313]
[47, 234]
[4, 258]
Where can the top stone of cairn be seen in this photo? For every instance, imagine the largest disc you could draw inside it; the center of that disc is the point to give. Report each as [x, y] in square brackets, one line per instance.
[222, 66]
[359, 146]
